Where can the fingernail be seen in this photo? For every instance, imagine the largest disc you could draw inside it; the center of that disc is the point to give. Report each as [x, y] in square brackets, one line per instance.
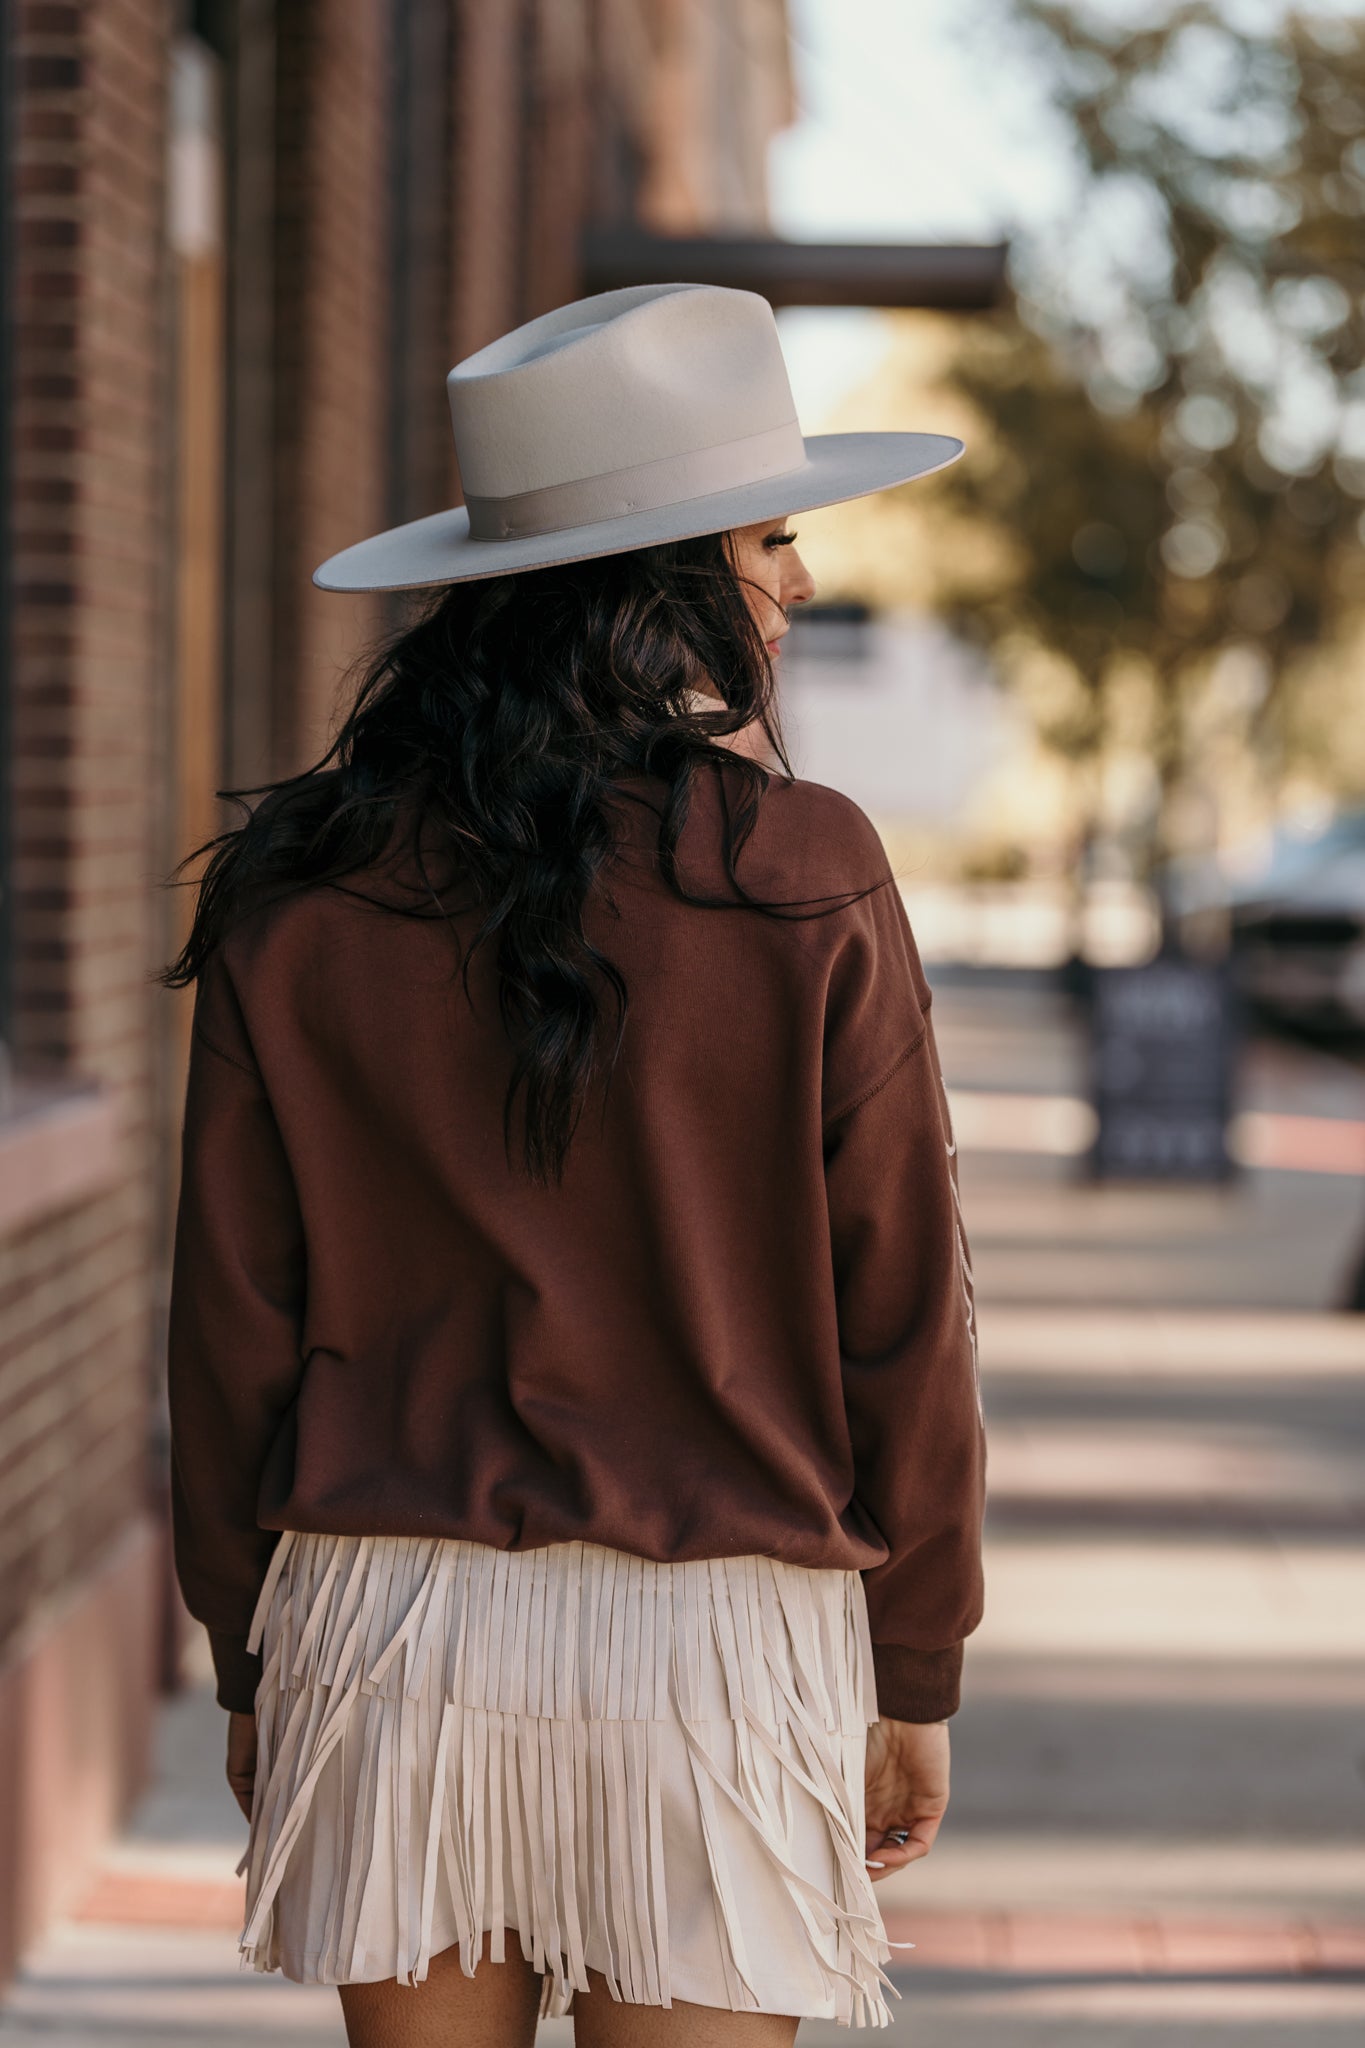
[875, 1866]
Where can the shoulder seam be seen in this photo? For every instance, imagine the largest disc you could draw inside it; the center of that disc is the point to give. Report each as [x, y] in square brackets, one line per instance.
[875, 1089]
[241, 1066]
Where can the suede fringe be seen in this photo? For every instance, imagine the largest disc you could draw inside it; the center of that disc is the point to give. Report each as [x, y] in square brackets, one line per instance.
[523, 1692]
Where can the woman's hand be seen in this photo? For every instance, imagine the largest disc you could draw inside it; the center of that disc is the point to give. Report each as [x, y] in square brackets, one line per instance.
[241, 1759]
[907, 1787]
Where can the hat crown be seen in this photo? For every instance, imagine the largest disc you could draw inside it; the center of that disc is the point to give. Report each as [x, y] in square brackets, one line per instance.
[652, 375]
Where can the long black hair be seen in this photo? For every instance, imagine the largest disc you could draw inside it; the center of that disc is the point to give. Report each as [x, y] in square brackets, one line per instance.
[505, 714]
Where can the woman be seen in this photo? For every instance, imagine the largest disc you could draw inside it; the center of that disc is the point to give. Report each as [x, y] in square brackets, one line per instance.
[577, 1446]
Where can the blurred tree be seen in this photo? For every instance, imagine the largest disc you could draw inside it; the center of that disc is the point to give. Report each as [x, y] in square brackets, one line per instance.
[1175, 464]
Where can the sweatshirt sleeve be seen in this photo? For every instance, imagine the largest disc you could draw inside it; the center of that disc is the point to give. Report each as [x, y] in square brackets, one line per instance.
[234, 1341]
[907, 1323]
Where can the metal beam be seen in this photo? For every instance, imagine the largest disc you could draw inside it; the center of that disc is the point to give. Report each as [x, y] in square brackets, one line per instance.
[956, 277]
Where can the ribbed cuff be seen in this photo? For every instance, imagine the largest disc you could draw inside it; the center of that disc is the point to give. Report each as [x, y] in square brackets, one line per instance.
[237, 1670]
[917, 1685]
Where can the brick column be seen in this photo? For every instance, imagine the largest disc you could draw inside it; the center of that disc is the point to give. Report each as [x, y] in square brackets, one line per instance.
[332, 338]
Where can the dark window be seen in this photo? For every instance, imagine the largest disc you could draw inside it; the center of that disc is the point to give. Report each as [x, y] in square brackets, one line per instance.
[831, 632]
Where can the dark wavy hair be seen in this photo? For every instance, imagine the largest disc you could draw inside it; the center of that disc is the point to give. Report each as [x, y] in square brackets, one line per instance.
[505, 714]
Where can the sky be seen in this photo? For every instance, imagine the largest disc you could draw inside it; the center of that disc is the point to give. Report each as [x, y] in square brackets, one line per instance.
[918, 122]
[903, 128]
[902, 135]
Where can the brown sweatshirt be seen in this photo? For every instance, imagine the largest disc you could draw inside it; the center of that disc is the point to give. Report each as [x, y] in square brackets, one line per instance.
[742, 1324]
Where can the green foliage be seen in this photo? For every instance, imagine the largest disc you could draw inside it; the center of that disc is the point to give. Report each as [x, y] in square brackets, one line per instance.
[1176, 404]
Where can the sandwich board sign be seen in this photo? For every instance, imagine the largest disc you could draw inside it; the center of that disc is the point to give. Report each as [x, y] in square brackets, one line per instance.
[1161, 1070]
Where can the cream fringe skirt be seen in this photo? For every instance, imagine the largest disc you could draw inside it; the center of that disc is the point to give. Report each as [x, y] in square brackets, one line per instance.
[652, 1770]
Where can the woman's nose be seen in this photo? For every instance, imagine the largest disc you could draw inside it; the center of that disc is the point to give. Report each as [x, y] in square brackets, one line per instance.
[801, 585]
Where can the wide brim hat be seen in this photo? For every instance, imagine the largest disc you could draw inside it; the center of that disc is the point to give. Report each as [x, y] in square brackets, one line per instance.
[633, 417]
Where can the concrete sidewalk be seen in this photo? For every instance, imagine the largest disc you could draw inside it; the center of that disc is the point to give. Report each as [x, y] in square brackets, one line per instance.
[1156, 1831]
[1160, 1844]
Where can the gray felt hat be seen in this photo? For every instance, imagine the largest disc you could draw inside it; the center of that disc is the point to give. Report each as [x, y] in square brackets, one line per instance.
[637, 416]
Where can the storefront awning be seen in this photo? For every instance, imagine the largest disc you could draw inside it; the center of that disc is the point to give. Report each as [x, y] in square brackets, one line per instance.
[951, 276]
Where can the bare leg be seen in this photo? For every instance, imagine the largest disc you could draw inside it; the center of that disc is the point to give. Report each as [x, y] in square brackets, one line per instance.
[601, 2021]
[495, 2008]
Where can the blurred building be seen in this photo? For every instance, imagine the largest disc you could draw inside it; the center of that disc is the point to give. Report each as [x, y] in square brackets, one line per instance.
[892, 709]
[242, 246]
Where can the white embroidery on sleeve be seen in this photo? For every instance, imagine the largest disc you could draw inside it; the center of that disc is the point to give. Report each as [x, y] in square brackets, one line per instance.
[966, 1279]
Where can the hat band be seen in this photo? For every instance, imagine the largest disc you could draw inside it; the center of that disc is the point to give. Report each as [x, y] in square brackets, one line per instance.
[645, 487]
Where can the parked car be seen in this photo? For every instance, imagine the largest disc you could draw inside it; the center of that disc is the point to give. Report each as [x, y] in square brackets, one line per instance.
[1297, 926]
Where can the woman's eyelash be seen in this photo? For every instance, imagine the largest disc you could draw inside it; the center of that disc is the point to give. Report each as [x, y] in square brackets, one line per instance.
[780, 540]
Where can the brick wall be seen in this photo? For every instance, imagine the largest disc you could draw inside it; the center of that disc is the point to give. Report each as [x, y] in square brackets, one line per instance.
[533, 87]
[88, 609]
[558, 110]
[688, 95]
[336, 423]
[332, 335]
[487, 266]
[77, 1300]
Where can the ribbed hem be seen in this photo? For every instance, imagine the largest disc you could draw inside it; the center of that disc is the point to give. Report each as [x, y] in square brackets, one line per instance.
[237, 1671]
[917, 1685]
